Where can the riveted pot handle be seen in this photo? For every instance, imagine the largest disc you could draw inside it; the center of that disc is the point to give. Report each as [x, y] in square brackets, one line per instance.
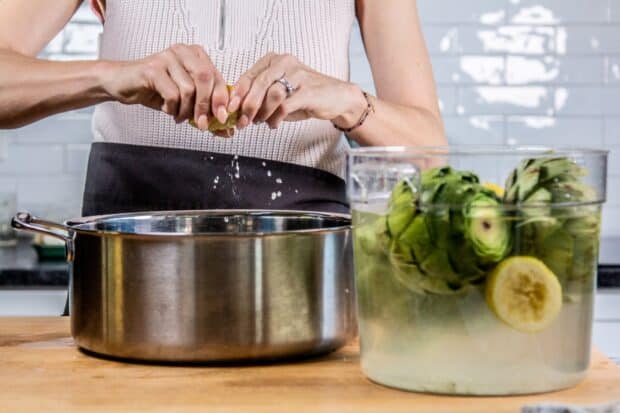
[26, 222]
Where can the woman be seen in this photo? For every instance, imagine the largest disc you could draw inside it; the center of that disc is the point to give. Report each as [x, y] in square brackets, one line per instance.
[164, 62]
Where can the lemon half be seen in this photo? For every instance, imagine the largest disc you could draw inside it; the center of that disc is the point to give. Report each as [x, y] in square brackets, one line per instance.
[499, 191]
[524, 293]
[215, 125]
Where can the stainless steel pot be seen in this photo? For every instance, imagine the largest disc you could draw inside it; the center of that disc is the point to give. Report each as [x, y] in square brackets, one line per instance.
[208, 285]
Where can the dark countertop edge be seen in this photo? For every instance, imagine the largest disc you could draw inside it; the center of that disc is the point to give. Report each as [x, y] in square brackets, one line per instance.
[56, 276]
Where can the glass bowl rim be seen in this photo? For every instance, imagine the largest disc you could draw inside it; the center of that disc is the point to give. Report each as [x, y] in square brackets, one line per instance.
[422, 151]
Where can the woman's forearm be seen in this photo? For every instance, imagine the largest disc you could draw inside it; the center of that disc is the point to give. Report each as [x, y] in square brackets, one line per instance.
[31, 89]
[392, 124]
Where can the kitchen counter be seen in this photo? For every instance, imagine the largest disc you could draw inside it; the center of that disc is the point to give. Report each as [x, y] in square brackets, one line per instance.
[43, 371]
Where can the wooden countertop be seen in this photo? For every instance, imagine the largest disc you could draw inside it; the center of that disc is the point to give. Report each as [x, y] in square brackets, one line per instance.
[42, 371]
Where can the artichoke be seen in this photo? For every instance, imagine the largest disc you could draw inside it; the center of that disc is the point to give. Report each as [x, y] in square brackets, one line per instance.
[448, 235]
[552, 223]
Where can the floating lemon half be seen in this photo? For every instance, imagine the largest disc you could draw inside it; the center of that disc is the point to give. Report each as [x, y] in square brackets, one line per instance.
[524, 293]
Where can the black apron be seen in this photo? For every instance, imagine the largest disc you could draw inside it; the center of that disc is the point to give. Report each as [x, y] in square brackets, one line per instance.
[130, 178]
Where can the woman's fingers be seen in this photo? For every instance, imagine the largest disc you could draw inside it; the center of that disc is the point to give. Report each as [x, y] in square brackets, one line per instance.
[185, 85]
[202, 91]
[277, 67]
[199, 66]
[219, 99]
[167, 89]
[253, 100]
[276, 94]
[241, 88]
[292, 108]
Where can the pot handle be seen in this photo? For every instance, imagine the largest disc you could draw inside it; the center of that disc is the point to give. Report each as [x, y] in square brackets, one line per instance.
[26, 222]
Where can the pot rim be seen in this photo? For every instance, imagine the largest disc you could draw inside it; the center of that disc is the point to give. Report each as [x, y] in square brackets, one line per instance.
[77, 225]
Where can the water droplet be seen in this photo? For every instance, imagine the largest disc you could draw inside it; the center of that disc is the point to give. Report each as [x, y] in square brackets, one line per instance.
[278, 180]
[268, 173]
[264, 163]
[273, 196]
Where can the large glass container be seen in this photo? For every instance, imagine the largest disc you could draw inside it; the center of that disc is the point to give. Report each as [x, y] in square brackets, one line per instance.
[476, 266]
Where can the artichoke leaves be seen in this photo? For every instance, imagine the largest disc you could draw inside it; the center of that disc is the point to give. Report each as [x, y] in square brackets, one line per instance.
[553, 219]
[448, 234]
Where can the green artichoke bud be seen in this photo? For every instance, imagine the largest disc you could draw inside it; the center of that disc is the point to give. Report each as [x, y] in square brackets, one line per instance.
[402, 207]
[448, 235]
[372, 239]
[486, 228]
[549, 226]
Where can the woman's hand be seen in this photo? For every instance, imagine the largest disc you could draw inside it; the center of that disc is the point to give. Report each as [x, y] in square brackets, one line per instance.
[180, 81]
[260, 98]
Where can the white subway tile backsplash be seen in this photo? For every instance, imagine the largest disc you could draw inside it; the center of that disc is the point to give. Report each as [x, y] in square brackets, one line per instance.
[613, 167]
[73, 127]
[471, 11]
[591, 39]
[551, 69]
[612, 131]
[35, 160]
[447, 100]
[613, 195]
[475, 130]
[549, 130]
[441, 39]
[468, 70]
[610, 225]
[82, 39]
[51, 197]
[8, 185]
[490, 100]
[85, 15]
[610, 101]
[76, 159]
[579, 101]
[557, 11]
[612, 69]
[516, 39]
[614, 11]
[56, 45]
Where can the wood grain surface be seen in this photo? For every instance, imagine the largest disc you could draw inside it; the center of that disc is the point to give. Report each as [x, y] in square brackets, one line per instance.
[42, 371]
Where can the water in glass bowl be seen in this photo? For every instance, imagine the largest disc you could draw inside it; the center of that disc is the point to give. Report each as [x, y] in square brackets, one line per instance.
[423, 328]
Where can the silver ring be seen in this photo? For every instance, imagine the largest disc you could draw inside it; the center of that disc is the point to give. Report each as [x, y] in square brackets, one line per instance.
[290, 89]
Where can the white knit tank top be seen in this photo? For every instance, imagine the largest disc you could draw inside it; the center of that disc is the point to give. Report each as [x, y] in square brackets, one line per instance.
[235, 33]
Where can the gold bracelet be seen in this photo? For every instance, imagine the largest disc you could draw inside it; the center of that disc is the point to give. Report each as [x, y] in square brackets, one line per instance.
[369, 108]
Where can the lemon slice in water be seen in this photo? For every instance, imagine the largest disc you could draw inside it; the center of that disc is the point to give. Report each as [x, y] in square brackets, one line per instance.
[524, 293]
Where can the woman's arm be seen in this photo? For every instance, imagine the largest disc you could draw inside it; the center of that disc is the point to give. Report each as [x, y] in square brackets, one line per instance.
[31, 88]
[180, 81]
[406, 110]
